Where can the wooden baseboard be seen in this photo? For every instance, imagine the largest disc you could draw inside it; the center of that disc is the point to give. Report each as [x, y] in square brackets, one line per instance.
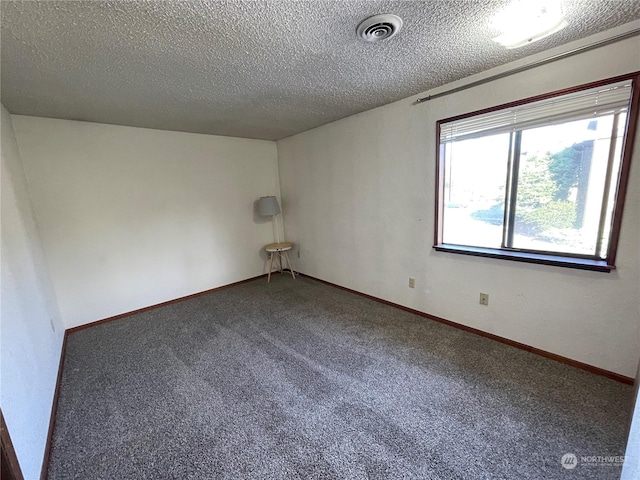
[168, 302]
[9, 462]
[54, 411]
[522, 346]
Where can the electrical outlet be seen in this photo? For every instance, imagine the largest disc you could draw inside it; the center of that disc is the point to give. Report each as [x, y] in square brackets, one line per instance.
[484, 299]
[298, 253]
[412, 282]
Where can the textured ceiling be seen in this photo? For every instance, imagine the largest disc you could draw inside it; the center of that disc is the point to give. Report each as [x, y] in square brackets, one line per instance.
[257, 69]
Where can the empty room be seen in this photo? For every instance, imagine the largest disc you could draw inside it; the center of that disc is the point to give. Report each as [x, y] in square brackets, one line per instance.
[324, 239]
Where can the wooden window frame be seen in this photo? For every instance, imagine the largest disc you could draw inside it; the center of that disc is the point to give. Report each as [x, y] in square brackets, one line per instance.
[548, 258]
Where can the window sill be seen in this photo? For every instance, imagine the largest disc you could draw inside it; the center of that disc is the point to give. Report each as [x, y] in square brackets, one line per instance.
[539, 258]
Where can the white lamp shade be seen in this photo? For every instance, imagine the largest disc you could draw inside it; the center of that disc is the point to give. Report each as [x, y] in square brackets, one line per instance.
[269, 206]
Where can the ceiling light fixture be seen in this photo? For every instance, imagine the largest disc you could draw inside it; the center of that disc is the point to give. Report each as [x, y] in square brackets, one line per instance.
[527, 21]
[379, 27]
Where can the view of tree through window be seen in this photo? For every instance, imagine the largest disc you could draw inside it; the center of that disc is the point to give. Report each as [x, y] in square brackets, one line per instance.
[544, 185]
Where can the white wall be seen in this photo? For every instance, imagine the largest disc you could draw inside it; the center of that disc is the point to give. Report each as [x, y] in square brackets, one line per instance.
[631, 467]
[30, 328]
[132, 217]
[358, 198]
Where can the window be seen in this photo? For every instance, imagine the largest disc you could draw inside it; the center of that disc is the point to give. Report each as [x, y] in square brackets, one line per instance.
[541, 180]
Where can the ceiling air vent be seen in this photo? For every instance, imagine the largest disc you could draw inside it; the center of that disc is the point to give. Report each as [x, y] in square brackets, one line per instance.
[379, 27]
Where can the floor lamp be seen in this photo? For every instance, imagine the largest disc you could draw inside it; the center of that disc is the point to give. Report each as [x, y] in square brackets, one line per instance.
[268, 206]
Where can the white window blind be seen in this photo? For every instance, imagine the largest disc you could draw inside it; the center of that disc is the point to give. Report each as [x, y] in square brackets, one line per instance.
[590, 103]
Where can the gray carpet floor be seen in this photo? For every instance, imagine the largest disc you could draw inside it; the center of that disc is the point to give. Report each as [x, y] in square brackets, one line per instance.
[297, 379]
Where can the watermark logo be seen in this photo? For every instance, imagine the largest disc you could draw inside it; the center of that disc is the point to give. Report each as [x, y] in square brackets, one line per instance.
[569, 461]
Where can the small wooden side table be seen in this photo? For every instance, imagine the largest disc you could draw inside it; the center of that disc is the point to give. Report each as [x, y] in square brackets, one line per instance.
[279, 249]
